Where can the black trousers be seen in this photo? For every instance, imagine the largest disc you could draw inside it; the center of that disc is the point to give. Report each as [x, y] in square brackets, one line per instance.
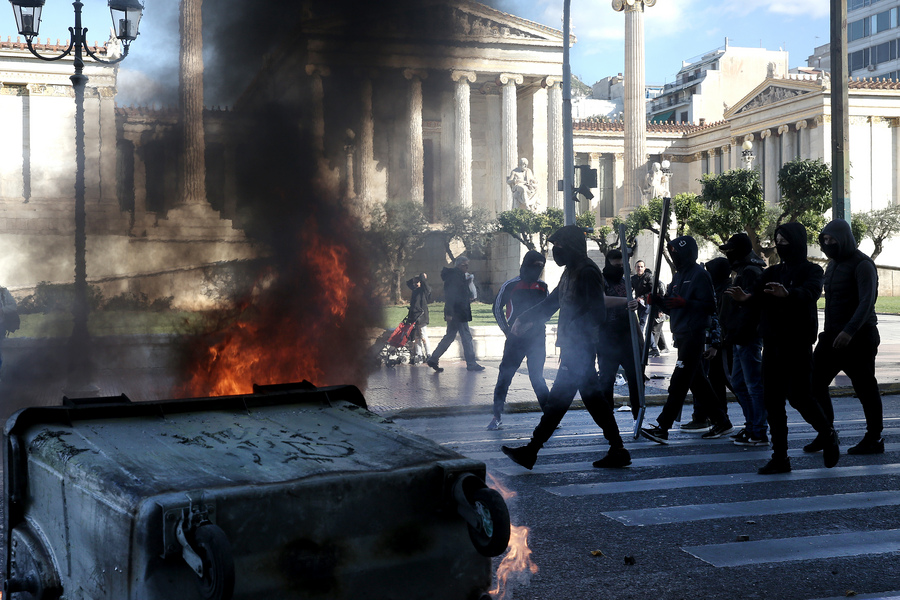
[787, 376]
[515, 350]
[688, 374]
[857, 360]
[612, 352]
[577, 374]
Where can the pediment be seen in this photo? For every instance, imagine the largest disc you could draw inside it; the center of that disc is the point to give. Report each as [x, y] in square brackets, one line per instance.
[434, 20]
[772, 91]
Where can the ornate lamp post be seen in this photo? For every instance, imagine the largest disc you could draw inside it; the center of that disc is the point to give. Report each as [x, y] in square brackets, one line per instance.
[126, 16]
[747, 154]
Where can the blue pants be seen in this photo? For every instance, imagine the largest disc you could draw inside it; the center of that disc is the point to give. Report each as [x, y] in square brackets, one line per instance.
[746, 380]
[514, 351]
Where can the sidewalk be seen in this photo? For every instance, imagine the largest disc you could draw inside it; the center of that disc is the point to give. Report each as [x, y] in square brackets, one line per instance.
[417, 390]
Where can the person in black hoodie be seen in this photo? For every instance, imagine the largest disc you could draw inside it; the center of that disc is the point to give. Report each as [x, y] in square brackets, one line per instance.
[740, 324]
[418, 314]
[581, 304]
[457, 313]
[786, 296]
[690, 302]
[850, 339]
[515, 297]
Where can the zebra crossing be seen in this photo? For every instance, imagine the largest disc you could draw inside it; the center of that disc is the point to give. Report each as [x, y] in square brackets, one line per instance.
[810, 514]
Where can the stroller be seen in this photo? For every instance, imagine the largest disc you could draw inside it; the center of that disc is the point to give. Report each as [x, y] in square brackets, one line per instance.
[396, 349]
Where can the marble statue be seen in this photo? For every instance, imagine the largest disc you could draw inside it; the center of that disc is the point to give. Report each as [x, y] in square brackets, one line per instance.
[523, 185]
[657, 183]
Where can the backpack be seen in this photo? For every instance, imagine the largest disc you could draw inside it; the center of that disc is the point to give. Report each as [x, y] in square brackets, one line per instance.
[10, 314]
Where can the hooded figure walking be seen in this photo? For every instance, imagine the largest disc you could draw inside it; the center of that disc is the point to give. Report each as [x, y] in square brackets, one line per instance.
[517, 296]
[786, 296]
[850, 339]
[580, 301]
[691, 303]
[458, 296]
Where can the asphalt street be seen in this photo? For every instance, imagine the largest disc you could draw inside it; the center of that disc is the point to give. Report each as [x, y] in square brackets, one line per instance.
[693, 519]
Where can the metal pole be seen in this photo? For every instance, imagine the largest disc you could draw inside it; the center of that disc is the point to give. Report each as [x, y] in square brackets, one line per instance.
[634, 328]
[840, 119]
[568, 143]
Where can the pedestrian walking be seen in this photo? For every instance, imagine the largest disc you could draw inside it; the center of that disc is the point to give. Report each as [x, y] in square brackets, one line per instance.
[418, 315]
[515, 297]
[849, 340]
[786, 296]
[740, 325]
[690, 302]
[579, 298]
[458, 296]
[650, 315]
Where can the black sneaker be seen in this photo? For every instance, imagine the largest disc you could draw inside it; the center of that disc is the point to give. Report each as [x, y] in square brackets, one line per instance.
[752, 440]
[741, 438]
[739, 433]
[656, 434]
[523, 455]
[474, 368]
[434, 365]
[868, 445]
[718, 431]
[817, 444]
[776, 465]
[616, 458]
[696, 425]
[832, 451]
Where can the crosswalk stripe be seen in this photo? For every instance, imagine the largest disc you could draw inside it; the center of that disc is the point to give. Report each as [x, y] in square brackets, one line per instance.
[856, 543]
[777, 506]
[892, 595]
[671, 483]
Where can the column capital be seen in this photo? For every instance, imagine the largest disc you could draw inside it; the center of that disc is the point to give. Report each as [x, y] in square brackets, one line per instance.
[749, 138]
[632, 5]
[419, 73]
[550, 81]
[320, 70]
[765, 133]
[510, 78]
[725, 149]
[458, 76]
[800, 124]
[782, 129]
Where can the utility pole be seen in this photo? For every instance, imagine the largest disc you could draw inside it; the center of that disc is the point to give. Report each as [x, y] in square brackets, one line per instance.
[568, 142]
[840, 119]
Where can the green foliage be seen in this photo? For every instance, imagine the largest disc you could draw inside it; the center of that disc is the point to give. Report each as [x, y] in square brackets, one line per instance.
[473, 227]
[879, 225]
[524, 224]
[396, 230]
[805, 190]
[56, 297]
[735, 201]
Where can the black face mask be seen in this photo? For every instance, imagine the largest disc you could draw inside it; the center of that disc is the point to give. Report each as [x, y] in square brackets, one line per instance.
[677, 260]
[532, 273]
[561, 256]
[613, 273]
[734, 256]
[831, 250]
[788, 252]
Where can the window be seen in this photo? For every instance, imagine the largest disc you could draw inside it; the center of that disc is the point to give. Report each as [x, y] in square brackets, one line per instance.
[884, 21]
[858, 60]
[855, 4]
[858, 29]
[884, 52]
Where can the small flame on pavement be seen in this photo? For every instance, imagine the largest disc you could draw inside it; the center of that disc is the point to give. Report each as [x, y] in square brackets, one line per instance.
[517, 564]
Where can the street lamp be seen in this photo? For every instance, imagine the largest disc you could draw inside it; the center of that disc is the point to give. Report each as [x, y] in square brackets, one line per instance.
[747, 154]
[126, 16]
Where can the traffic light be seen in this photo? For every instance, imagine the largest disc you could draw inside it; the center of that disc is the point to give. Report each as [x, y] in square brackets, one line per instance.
[587, 180]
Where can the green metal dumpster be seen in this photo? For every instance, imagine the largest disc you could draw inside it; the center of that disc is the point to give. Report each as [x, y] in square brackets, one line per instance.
[289, 492]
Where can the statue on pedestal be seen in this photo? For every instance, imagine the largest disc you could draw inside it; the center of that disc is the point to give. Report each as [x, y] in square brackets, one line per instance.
[523, 185]
[656, 183]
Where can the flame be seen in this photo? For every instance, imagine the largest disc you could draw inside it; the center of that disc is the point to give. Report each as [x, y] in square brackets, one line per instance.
[517, 564]
[263, 341]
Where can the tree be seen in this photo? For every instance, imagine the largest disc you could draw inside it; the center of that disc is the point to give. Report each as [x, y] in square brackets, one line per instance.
[735, 203]
[397, 229]
[879, 225]
[805, 190]
[473, 227]
[524, 224]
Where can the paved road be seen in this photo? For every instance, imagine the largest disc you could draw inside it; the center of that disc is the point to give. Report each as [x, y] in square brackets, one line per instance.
[680, 510]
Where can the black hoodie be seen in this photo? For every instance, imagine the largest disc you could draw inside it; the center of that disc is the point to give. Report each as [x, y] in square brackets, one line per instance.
[521, 293]
[456, 295]
[793, 320]
[578, 297]
[851, 283]
[740, 321]
[418, 302]
[693, 283]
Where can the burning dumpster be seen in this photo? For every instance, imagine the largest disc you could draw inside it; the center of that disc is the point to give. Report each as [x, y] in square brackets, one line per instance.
[288, 492]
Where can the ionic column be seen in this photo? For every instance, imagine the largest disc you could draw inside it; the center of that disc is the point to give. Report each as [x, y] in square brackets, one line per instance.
[365, 154]
[509, 139]
[803, 150]
[415, 145]
[769, 172]
[786, 144]
[463, 136]
[554, 140]
[193, 160]
[316, 73]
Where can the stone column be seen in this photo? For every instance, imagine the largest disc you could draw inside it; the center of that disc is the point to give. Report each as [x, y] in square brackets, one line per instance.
[802, 128]
[193, 157]
[365, 154]
[463, 136]
[554, 141]
[229, 207]
[415, 145]
[509, 145]
[635, 102]
[316, 73]
[767, 166]
[140, 177]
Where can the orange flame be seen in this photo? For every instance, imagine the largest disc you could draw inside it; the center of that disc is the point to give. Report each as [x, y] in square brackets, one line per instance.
[517, 563]
[265, 344]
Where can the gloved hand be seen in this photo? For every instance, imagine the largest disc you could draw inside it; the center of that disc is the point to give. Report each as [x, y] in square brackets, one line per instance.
[675, 302]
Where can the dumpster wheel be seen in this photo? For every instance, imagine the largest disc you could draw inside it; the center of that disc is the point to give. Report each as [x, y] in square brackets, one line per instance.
[491, 537]
[213, 548]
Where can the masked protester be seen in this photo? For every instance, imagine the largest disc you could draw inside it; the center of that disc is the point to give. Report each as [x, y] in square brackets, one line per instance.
[740, 324]
[690, 302]
[786, 296]
[579, 298]
[517, 296]
[418, 314]
[850, 339]
[458, 295]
